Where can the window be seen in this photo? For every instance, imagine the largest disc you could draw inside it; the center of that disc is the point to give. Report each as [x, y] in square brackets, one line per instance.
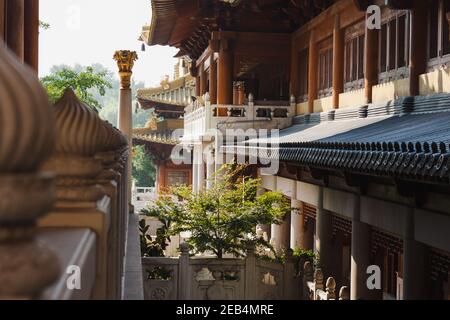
[325, 68]
[303, 66]
[394, 46]
[354, 57]
[438, 33]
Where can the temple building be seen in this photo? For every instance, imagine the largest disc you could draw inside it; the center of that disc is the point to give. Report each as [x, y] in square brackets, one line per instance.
[159, 136]
[364, 114]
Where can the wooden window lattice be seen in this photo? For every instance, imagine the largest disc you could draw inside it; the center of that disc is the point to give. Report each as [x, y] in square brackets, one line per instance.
[440, 264]
[341, 224]
[380, 239]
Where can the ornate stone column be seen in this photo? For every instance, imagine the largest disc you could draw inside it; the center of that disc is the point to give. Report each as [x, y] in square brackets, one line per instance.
[297, 225]
[323, 236]
[26, 139]
[125, 61]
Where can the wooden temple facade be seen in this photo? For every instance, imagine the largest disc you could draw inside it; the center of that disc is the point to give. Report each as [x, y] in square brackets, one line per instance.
[364, 148]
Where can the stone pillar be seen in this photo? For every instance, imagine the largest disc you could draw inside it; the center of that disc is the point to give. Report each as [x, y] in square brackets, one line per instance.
[210, 169]
[201, 169]
[338, 58]
[15, 27]
[225, 73]
[31, 51]
[26, 140]
[418, 39]
[213, 80]
[371, 63]
[297, 225]
[323, 236]
[312, 71]
[125, 62]
[281, 237]
[359, 256]
[194, 169]
[415, 263]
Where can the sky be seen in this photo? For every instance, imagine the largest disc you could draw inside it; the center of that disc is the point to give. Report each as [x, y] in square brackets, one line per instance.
[90, 31]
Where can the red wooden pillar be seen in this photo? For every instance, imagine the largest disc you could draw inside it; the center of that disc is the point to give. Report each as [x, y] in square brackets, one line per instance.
[15, 27]
[225, 73]
[338, 61]
[2, 19]
[294, 71]
[312, 72]
[213, 80]
[371, 63]
[418, 59]
[31, 33]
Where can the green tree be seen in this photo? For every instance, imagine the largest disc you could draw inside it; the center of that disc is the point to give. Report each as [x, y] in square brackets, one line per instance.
[83, 82]
[143, 169]
[222, 219]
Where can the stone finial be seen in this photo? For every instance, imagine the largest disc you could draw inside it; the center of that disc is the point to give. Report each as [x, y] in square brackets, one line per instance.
[344, 293]
[331, 288]
[125, 61]
[308, 271]
[185, 248]
[80, 134]
[26, 139]
[318, 278]
[251, 98]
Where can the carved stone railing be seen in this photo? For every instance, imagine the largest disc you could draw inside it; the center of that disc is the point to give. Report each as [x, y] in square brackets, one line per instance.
[26, 140]
[198, 278]
[315, 289]
[90, 163]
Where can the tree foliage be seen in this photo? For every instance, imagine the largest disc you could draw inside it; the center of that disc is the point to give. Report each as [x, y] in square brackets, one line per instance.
[82, 82]
[143, 169]
[222, 219]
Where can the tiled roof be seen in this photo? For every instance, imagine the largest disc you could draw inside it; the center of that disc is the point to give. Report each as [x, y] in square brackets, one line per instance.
[155, 137]
[408, 138]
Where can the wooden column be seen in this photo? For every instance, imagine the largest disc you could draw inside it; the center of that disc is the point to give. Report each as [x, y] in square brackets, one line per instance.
[31, 50]
[225, 73]
[203, 79]
[312, 72]
[418, 39]
[294, 72]
[338, 61]
[371, 63]
[198, 87]
[2, 19]
[15, 27]
[213, 80]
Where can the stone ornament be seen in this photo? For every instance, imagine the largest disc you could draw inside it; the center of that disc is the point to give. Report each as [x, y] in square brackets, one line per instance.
[26, 140]
[80, 135]
[125, 61]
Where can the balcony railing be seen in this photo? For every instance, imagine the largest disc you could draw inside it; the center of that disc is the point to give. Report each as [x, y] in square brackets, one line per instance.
[201, 117]
[64, 196]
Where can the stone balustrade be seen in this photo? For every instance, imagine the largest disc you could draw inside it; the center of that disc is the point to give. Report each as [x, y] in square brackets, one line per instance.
[63, 194]
[314, 287]
[204, 278]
